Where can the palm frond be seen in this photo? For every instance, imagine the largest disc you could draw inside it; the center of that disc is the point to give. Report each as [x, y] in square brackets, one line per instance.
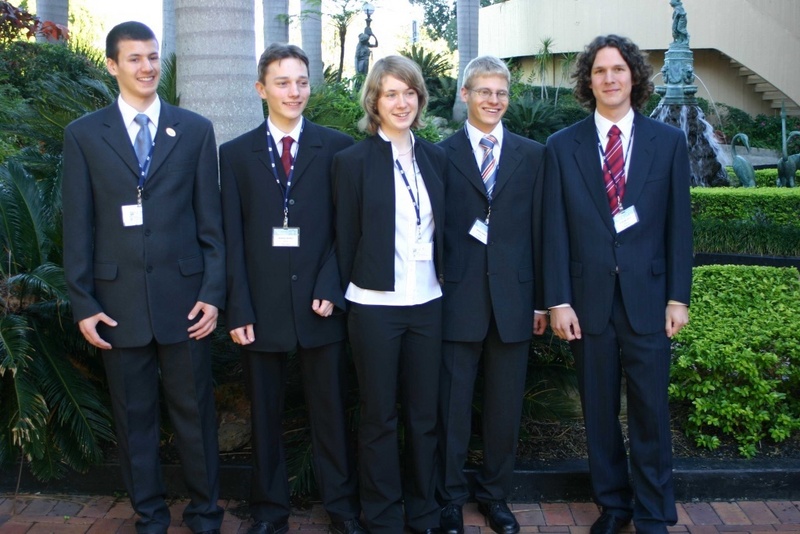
[168, 84]
[44, 282]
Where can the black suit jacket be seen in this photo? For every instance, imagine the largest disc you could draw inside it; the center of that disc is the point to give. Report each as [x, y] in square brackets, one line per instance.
[365, 209]
[272, 287]
[145, 277]
[497, 277]
[584, 255]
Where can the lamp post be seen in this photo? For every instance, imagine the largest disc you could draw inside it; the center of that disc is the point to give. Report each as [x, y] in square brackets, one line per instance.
[366, 41]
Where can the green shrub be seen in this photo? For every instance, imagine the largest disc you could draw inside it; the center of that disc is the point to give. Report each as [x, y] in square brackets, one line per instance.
[736, 366]
[774, 206]
[745, 237]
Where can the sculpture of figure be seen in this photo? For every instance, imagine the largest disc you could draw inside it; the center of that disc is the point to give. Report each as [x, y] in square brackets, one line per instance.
[741, 167]
[366, 40]
[679, 33]
[787, 165]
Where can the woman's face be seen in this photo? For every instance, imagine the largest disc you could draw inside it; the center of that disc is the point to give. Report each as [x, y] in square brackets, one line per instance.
[398, 105]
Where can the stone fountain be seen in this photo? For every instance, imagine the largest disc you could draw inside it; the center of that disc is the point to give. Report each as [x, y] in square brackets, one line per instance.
[679, 107]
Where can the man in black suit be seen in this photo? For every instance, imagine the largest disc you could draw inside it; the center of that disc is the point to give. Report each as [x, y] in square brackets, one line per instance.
[284, 292]
[618, 267]
[492, 242]
[145, 266]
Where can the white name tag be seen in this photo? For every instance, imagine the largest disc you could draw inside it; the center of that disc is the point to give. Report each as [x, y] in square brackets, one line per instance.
[422, 251]
[286, 237]
[480, 230]
[132, 215]
[625, 219]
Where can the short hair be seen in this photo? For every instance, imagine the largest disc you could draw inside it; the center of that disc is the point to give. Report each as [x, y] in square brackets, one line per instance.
[485, 66]
[641, 71]
[127, 31]
[405, 70]
[276, 52]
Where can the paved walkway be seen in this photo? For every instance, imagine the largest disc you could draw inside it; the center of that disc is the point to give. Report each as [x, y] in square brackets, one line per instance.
[76, 514]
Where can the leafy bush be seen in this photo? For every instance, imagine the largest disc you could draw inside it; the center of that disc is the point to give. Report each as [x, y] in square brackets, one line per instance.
[531, 117]
[764, 177]
[745, 237]
[774, 206]
[764, 131]
[736, 365]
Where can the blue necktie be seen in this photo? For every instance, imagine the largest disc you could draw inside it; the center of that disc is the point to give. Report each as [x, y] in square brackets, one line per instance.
[143, 141]
[488, 163]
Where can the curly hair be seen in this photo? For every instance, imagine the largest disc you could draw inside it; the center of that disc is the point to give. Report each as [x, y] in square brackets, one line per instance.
[641, 71]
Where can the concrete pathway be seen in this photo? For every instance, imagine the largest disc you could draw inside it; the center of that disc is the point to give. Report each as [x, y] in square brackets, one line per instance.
[76, 514]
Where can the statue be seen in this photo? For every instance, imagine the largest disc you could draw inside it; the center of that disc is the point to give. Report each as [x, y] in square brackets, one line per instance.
[787, 164]
[366, 40]
[679, 32]
[741, 167]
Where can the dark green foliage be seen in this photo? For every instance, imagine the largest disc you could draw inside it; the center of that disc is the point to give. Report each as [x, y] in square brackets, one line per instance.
[736, 366]
[531, 117]
[335, 106]
[168, 84]
[745, 237]
[774, 206]
[442, 88]
[763, 131]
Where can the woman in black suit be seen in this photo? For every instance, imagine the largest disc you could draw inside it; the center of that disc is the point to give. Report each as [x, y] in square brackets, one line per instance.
[389, 197]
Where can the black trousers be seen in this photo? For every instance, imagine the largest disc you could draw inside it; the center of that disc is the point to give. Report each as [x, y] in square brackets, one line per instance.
[600, 361]
[133, 378]
[325, 386]
[397, 353]
[505, 365]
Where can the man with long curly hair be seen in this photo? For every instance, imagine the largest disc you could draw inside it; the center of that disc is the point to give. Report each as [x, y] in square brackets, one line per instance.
[617, 272]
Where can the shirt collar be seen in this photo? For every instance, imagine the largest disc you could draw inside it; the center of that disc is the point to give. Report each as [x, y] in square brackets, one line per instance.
[129, 112]
[475, 135]
[394, 152]
[278, 134]
[603, 125]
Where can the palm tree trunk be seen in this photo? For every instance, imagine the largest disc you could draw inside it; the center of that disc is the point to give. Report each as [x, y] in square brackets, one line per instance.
[311, 29]
[168, 28]
[217, 68]
[467, 20]
[276, 22]
[54, 11]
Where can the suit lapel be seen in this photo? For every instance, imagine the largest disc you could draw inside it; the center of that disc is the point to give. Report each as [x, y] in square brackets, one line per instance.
[167, 136]
[463, 158]
[510, 159]
[261, 150]
[116, 135]
[641, 158]
[309, 146]
[588, 159]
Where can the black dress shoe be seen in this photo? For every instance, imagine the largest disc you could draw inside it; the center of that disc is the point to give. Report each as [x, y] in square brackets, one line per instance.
[351, 526]
[428, 531]
[265, 527]
[451, 519]
[214, 531]
[501, 519]
[609, 524]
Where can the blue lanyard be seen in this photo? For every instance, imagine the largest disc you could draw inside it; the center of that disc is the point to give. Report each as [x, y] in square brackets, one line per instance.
[285, 190]
[144, 169]
[411, 193]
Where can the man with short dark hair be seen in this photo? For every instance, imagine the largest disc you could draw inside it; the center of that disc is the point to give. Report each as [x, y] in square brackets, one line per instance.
[618, 271]
[284, 293]
[145, 267]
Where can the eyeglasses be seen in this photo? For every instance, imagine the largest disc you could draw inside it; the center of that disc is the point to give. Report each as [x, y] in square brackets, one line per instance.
[486, 94]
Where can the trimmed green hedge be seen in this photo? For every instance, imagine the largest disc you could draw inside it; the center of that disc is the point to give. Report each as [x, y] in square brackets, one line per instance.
[736, 365]
[764, 177]
[760, 221]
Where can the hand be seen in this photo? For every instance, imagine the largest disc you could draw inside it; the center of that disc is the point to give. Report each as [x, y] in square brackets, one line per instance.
[206, 324]
[539, 323]
[564, 323]
[677, 318]
[323, 308]
[243, 335]
[88, 328]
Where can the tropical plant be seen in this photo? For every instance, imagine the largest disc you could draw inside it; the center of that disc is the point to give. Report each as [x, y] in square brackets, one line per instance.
[442, 88]
[168, 84]
[532, 117]
[543, 60]
[567, 62]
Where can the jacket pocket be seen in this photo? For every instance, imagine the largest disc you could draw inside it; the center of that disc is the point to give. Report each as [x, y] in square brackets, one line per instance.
[105, 271]
[659, 266]
[191, 265]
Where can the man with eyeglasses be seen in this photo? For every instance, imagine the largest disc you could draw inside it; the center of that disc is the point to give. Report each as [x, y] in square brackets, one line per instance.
[492, 241]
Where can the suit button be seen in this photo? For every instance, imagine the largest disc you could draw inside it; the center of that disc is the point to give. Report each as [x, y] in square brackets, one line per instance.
[617, 244]
[147, 232]
[294, 278]
[145, 196]
[149, 269]
[291, 202]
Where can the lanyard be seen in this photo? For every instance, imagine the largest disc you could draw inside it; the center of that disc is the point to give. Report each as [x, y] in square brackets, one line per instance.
[495, 171]
[285, 190]
[614, 180]
[411, 193]
[143, 170]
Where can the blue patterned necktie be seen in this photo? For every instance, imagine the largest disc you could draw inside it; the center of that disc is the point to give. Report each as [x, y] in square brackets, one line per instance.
[488, 162]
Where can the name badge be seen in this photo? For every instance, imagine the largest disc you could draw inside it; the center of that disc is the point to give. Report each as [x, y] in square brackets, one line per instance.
[132, 215]
[286, 237]
[422, 252]
[480, 230]
[625, 219]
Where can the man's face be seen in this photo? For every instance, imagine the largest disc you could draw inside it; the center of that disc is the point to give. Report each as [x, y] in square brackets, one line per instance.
[286, 89]
[137, 69]
[611, 83]
[484, 107]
